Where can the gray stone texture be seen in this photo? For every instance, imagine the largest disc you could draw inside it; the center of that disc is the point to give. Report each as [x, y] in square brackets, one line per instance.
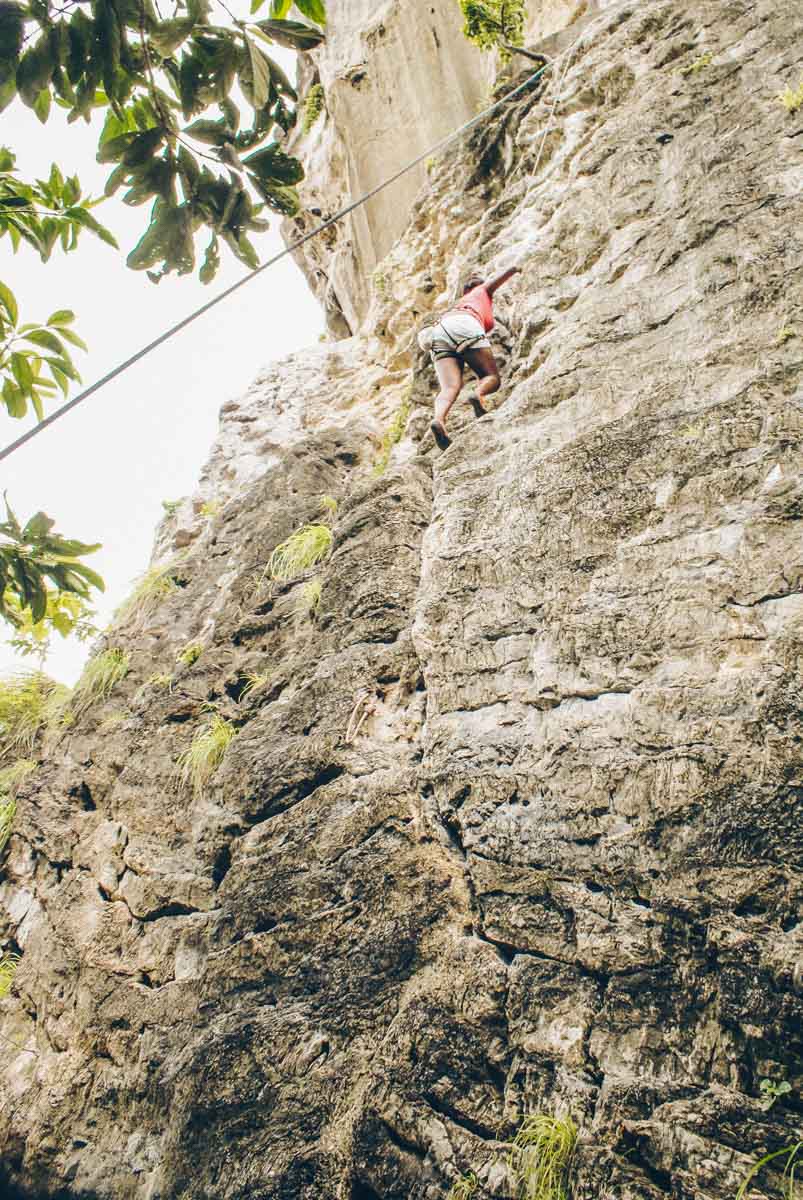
[514, 823]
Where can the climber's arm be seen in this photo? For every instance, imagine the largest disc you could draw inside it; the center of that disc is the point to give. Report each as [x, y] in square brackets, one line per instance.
[493, 284]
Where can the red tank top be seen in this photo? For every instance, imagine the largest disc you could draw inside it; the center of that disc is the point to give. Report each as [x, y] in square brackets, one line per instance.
[480, 304]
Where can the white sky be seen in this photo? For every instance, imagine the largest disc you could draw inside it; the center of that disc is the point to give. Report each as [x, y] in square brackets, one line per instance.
[103, 470]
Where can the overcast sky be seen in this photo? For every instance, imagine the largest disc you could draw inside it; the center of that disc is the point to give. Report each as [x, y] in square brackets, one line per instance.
[103, 471]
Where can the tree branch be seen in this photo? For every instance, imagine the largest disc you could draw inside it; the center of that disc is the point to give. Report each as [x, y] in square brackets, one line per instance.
[511, 49]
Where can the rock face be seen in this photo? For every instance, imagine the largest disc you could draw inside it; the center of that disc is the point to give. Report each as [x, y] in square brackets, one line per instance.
[511, 823]
[397, 77]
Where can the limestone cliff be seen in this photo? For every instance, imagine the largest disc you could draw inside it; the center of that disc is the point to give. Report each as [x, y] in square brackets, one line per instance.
[511, 820]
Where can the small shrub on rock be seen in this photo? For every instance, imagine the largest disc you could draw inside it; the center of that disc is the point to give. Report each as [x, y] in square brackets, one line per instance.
[149, 591]
[29, 703]
[302, 550]
[207, 751]
[8, 969]
[101, 676]
[309, 598]
[540, 1154]
[313, 107]
[392, 436]
[792, 98]
[189, 656]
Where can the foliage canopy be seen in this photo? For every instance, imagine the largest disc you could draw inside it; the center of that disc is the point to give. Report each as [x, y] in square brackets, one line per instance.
[495, 24]
[173, 135]
[44, 214]
[35, 362]
[33, 554]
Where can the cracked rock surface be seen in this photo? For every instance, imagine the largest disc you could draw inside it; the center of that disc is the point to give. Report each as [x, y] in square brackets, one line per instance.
[511, 822]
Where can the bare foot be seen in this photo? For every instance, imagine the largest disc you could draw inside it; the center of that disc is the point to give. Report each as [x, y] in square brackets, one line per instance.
[440, 435]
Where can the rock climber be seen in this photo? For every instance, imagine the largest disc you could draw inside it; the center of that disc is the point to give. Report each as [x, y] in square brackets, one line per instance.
[460, 337]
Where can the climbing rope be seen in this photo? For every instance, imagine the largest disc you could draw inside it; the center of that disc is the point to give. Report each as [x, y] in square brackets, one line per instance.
[339, 216]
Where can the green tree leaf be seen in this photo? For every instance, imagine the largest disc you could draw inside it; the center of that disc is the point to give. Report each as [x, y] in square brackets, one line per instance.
[313, 9]
[272, 163]
[281, 199]
[213, 133]
[81, 217]
[169, 35]
[14, 399]
[45, 339]
[34, 71]
[292, 34]
[9, 303]
[22, 372]
[260, 74]
[11, 35]
[62, 317]
[72, 336]
[41, 105]
[211, 262]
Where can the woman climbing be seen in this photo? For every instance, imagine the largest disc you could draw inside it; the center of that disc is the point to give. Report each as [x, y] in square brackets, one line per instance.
[459, 337]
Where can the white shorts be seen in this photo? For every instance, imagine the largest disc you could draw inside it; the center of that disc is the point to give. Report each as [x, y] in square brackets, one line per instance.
[454, 332]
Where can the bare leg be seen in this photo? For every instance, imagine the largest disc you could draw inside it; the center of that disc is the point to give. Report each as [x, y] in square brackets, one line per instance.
[450, 377]
[484, 366]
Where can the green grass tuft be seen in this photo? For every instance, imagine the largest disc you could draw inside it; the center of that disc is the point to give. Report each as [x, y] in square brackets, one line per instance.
[464, 1187]
[255, 681]
[382, 285]
[149, 591]
[211, 508]
[791, 98]
[10, 779]
[698, 65]
[302, 550]
[113, 721]
[8, 969]
[30, 702]
[190, 654]
[539, 1156]
[8, 811]
[101, 676]
[329, 507]
[160, 681]
[207, 751]
[309, 598]
[393, 435]
[789, 1184]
